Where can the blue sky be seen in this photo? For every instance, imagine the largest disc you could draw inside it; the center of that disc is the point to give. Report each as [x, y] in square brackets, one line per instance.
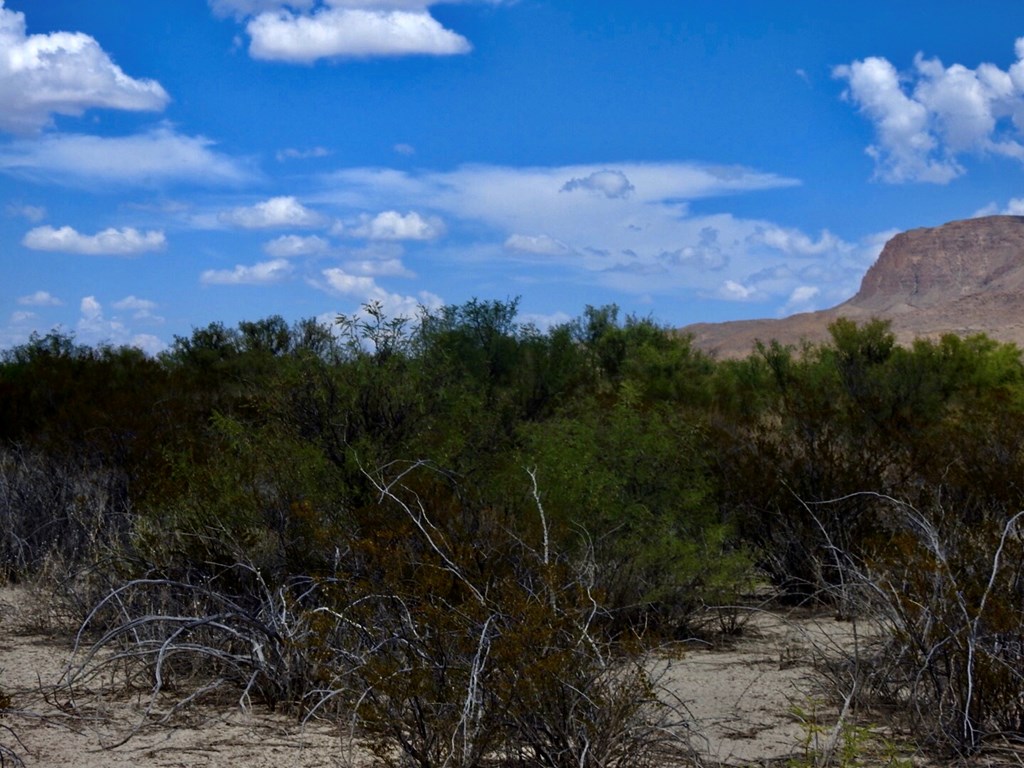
[168, 163]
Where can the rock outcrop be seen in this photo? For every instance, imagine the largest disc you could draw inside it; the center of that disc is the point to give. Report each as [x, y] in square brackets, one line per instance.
[964, 277]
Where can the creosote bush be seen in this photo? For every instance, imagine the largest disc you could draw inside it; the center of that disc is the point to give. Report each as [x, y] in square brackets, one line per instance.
[947, 601]
[444, 638]
[208, 512]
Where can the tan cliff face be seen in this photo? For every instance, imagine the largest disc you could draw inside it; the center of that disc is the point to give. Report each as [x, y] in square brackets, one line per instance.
[929, 267]
[964, 277]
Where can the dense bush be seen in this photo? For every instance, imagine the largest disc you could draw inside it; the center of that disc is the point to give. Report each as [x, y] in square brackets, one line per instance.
[241, 492]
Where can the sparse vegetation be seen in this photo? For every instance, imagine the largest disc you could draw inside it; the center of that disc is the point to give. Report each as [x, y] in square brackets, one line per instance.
[461, 535]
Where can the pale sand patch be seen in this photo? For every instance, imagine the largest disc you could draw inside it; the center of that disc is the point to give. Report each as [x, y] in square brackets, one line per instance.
[56, 729]
[741, 698]
[745, 698]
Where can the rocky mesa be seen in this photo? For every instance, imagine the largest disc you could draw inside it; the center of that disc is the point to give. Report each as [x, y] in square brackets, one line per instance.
[964, 277]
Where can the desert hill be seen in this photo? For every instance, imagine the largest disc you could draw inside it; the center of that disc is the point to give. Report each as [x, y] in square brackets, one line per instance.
[964, 277]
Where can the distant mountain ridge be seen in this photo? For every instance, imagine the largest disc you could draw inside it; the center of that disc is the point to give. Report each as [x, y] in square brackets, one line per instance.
[964, 277]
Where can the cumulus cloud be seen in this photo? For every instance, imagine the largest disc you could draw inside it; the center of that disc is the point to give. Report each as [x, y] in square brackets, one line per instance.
[262, 273]
[157, 156]
[109, 242]
[61, 73]
[611, 184]
[927, 119]
[350, 32]
[275, 212]
[392, 225]
[365, 289]
[290, 246]
[1015, 207]
[94, 327]
[40, 299]
[304, 31]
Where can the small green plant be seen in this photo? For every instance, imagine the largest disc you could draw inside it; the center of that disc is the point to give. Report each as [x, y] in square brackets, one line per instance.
[843, 744]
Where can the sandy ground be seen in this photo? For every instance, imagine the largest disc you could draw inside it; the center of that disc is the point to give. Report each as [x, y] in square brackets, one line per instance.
[742, 697]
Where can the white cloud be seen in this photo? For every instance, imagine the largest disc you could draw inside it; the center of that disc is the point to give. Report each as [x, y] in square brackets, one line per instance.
[302, 154]
[405, 149]
[40, 299]
[1015, 207]
[95, 328]
[290, 246]
[796, 243]
[611, 184]
[365, 289]
[62, 73]
[109, 242]
[275, 212]
[733, 291]
[346, 284]
[240, 9]
[21, 317]
[541, 245]
[160, 155]
[801, 299]
[925, 120]
[336, 32]
[646, 242]
[392, 225]
[32, 213]
[545, 322]
[379, 268]
[148, 343]
[510, 197]
[592, 230]
[142, 308]
[262, 273]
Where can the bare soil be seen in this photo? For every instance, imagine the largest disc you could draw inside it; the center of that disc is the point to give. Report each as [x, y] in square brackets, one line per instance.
[743, 697]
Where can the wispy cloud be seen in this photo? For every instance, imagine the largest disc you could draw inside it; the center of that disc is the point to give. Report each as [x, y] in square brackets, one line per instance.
[141, 309]
[148, 159]
[291, 246]
[262, 273]
[632, 228]
[302, 154]
[32, 213]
